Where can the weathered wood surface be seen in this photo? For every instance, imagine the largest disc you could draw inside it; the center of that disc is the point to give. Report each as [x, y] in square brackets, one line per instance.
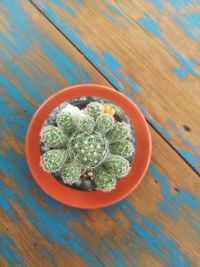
[157, 225]
[150, 50]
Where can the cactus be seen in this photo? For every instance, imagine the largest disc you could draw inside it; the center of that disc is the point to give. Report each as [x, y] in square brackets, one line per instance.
[104, 123]
[66, 122]
[90, 150]
[94, 109]
[86, 124]
[52, 137]
[124, 148]
[71, 172]
[53, 160]
[119, 131]
[105, 181]
[84, 142]
[117, 165]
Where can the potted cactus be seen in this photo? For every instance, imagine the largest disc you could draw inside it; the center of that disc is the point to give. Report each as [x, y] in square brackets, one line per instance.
[88, 146]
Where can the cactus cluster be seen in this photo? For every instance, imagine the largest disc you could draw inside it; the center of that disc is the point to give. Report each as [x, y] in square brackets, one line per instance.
[87, 144]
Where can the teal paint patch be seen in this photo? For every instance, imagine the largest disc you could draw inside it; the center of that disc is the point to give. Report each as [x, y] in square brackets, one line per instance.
[27, 82]
[115, 10]
[64, 6]
[117, 262]
[192, 20]
[157, 126]
[174, 201]
[112, 19]
[150, 25]
[3, 104]
[14, 94]
[157, 3]
[192, 157]
[177, 257]
[46, 254]
[8, 251]
[13, 121]
[111, 63]
[64, 65]
[187, 30]
[178, 132]
[180, 73]
[16, 46]
[193, 61]
[6, 196]
[179, 4]
[78, 2]
[186, 64]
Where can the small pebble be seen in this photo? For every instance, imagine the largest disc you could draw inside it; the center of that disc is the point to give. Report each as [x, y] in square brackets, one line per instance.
[43, 148]
[78, 183]
[87, 185]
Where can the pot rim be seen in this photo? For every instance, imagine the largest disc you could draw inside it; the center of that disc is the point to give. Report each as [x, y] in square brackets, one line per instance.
[89, 199]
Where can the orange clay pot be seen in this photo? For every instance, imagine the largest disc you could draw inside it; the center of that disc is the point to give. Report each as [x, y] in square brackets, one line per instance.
[84, 199]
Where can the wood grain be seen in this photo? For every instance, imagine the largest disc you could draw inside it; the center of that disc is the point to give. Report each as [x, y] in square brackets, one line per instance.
[157, 225]
[147, 49]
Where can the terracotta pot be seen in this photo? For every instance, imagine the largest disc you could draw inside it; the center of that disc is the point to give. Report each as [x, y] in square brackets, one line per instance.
[84, 199]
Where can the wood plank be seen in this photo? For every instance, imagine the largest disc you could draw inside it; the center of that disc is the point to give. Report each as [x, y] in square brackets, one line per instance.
[147, 49]
[157, 225]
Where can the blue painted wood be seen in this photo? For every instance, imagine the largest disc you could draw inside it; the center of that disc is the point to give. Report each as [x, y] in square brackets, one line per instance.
[110, 64]
[153, 226]
[9, 252]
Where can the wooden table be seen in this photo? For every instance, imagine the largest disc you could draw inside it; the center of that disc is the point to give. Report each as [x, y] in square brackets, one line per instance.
[150, 51]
